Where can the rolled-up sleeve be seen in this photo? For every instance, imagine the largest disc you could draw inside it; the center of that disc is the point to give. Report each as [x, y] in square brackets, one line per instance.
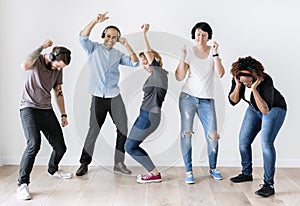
[125, 60]
[87, 44]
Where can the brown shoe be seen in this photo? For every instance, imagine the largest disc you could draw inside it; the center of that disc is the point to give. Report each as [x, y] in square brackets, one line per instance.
[82, 169]
[121, 167]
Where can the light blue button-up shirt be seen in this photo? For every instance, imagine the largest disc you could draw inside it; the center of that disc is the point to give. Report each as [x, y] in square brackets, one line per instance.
[104, 68]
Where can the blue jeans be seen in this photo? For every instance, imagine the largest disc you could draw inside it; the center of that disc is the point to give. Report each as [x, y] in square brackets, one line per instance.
[34, 121]
[144, 125]
[205, 109]
[269, 125]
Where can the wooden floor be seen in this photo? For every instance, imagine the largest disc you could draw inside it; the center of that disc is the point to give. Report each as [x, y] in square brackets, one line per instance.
[103, 187]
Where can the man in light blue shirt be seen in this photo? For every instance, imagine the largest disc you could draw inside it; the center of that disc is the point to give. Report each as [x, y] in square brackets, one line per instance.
[104, 61]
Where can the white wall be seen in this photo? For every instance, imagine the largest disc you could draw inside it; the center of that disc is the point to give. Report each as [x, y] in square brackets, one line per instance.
[268, 30]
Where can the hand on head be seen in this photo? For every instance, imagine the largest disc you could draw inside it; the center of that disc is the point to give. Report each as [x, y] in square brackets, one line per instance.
[256, 83]
[123, 40]
[237, 81]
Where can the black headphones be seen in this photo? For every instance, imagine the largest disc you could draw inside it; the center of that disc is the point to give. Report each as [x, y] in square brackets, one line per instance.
[111, 27]
[60, 50]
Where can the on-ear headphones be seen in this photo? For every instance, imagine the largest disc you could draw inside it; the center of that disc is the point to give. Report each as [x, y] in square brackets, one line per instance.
[59, 50]
[111, 27]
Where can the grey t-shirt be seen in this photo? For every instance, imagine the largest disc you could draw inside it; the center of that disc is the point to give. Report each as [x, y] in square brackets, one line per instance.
[38, 85]
[155, 89]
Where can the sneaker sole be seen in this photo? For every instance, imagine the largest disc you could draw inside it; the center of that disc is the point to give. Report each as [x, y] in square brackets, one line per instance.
[264, 195]
[189, 182]
[147, 181]
[216, 178]
[60, 177]
[22, 198]
[240, 181]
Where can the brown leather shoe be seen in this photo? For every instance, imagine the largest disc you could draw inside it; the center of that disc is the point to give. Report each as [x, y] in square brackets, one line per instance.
[82, 169]
[121, 167]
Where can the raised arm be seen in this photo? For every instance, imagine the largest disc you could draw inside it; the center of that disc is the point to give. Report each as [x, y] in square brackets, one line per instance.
[217, 60]
[182, 67]
[148, 53]
[132, 54]
[59, 97]
[88, 28]
[33, 56]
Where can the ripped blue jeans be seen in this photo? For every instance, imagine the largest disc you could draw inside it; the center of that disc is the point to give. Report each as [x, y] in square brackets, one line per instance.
[205, 109]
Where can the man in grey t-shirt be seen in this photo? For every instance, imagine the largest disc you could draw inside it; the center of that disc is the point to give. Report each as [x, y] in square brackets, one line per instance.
[36, 112]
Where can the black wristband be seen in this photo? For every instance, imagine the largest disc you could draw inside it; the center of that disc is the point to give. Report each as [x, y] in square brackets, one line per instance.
[215, 55]
[63, 115]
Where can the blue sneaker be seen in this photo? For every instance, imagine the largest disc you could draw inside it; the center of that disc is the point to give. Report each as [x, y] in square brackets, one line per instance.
[189, 178]
[215, 174]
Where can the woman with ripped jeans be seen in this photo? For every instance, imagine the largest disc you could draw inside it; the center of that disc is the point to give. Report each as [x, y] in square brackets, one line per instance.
[199, 63]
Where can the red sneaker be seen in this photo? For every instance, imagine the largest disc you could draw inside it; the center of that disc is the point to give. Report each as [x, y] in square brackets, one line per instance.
[147, 178]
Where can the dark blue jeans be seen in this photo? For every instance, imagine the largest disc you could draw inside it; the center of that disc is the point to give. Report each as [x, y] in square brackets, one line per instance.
[269, 125]
[34, 121]
[144, 125]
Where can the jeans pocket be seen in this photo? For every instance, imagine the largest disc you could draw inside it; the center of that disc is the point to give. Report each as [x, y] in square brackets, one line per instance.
[26, 112]
[184, 96]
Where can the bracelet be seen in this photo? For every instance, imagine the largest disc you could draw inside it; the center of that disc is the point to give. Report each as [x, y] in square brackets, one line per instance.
[63, 115]
[215, 55]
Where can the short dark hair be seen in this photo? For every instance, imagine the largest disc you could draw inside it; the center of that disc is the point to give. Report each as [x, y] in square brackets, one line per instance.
[111, 27]
[203, 26]
[60, 53]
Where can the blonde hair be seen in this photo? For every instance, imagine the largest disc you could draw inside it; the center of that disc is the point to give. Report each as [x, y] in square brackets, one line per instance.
[156, 56]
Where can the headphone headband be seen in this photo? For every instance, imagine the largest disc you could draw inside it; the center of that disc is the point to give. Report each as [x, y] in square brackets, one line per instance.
[111, 27]
[57, 52]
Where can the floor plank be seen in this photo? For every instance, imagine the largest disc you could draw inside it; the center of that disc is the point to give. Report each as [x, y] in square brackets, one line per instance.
[102, 186]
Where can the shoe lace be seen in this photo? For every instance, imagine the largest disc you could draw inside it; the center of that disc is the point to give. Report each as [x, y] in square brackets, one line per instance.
[265, 185]
[23, 189]
[146, 176]
[215, 171]
[189, 175]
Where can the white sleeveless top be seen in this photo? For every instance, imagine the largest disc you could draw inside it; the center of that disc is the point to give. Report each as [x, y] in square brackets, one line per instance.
[200, 80]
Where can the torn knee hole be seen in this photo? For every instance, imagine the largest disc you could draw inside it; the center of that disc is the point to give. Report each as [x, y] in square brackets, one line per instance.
[214, 136]
[186, 133]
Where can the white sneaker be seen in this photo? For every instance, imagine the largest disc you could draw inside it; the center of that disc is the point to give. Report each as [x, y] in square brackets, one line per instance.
[23, 192]
[62, 174]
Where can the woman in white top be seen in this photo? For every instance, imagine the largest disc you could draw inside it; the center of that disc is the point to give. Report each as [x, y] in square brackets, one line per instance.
[200, 62]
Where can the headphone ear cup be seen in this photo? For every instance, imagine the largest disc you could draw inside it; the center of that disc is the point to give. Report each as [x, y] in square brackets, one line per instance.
[52, 56]
[193, 35]
[103, 34]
